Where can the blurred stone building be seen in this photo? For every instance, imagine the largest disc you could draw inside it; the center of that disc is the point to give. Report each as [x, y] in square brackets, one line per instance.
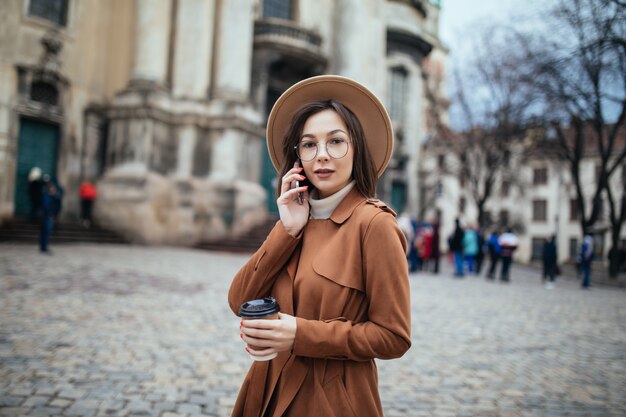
[164, 102]
[534, 195]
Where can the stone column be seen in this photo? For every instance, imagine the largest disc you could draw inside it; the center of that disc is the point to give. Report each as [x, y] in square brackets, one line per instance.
[194, 43]
[360, 54]
[152, 35]
[231, 87]
[233, 56]
[186, 143]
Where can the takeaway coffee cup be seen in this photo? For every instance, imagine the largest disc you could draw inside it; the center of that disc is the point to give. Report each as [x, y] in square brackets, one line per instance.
[264, 309]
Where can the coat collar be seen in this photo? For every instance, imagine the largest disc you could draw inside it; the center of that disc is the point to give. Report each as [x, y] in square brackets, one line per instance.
[345, 209]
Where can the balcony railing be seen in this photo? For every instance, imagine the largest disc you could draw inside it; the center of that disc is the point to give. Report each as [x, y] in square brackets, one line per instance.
[286, 32]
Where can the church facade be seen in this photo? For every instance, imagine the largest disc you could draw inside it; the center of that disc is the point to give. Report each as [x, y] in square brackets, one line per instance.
[163, 103]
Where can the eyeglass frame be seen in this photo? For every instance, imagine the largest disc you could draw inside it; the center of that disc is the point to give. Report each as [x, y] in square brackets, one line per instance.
[317, 150]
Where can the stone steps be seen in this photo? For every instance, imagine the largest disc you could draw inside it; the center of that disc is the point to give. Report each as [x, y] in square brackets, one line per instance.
[248, 243]
[23, 231]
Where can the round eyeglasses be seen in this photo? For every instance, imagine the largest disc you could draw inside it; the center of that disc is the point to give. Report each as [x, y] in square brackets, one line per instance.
[336, 148]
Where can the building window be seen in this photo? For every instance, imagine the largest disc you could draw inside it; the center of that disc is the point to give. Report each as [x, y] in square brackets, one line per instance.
[281, 9]
[441, 161]
[537, 248]
[462, 204]
[462, 178]
[53, 10]
[44, 92]
[540, 176]
[504, 218]
[600, 208]
[398, 86]
[506, 158]
[540, 210]
[573, 248]
[573, 210]
[505, 188]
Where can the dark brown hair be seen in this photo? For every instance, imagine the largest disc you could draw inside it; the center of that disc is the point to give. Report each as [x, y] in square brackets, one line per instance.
[363, 169]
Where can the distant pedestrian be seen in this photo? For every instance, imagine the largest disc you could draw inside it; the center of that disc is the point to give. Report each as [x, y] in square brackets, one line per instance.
[456, 247]
[470, 248]
[586, 257]
[480, 256]
[88, 195]
[508, 243]
[494, 254]
[414, 261]
[427, 247]
[57, 202]
[436, 253]
[549, 262]
[48, 205]
[34, 193]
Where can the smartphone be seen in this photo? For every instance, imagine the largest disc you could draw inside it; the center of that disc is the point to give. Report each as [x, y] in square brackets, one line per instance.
[296, 184]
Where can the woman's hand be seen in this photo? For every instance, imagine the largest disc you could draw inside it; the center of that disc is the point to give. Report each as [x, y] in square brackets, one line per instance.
[269, 336]
[292, 214]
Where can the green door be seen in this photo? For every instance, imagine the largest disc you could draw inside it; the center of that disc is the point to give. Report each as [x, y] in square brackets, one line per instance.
[37, 147]
[268, 180]
[398, 196]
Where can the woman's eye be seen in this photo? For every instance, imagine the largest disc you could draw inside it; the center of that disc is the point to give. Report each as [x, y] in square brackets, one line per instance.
[337, 141]
[308, 145]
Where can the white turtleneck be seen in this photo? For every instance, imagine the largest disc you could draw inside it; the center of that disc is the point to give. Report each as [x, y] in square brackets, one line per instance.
[323, 208]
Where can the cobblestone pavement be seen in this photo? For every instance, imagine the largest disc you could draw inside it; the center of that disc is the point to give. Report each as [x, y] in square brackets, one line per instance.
[133, 331]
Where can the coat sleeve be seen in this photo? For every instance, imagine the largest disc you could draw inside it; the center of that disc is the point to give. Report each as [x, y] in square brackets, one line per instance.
[256, 278]
[387, 332]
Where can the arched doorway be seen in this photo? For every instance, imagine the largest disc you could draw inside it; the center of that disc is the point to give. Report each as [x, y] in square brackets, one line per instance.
[38, 144]
[282, 74]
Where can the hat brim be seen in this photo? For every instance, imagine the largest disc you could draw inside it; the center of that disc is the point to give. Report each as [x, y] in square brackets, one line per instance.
[361, 101]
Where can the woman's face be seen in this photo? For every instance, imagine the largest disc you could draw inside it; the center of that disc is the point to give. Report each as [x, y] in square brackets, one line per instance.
[328, 175]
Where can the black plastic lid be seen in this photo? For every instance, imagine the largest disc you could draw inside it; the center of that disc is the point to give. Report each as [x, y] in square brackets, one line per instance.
[259, 308]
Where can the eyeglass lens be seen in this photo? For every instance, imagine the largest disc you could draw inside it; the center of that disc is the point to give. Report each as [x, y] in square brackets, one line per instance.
[335, 148]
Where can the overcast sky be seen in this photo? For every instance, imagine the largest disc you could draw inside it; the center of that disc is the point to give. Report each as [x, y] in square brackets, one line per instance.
[458, 17]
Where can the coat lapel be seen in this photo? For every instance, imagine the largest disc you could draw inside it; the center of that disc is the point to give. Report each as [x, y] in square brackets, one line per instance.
[330, 261]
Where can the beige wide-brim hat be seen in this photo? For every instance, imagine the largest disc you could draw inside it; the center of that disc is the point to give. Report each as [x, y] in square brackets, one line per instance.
[361, 101]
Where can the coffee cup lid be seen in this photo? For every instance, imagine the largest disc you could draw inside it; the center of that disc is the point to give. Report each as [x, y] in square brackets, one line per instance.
[259, 308]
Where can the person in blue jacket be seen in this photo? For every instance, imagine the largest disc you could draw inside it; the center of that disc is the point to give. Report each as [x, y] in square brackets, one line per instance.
[494, 254]
[49, 205]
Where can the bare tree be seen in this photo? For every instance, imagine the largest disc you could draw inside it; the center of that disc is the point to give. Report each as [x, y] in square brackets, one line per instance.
[579, 70]
[494, 110]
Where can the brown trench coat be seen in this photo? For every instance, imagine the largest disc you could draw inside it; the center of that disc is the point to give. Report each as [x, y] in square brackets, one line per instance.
[365, 314]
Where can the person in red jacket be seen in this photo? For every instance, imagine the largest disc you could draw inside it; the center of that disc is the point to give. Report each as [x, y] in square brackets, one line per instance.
[88, 195]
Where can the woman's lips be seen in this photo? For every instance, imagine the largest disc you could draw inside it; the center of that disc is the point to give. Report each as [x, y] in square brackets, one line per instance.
[323, 173]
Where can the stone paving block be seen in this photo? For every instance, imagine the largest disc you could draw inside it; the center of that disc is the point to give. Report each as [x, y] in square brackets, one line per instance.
[82, 412]
[60, 403]
[165, 406]
[169, 414]
[46, 411]
[47, 390]
[36, 400]
[188, 409]
[73, 394]
[11, 400]
[21, 391]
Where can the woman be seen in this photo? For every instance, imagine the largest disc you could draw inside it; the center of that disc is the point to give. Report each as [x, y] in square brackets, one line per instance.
[335, 261]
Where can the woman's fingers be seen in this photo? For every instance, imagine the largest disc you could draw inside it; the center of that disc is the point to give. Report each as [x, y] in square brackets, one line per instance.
[291, 194]
[253, 341]
[289, 178]
[259, 324]
[262, 352]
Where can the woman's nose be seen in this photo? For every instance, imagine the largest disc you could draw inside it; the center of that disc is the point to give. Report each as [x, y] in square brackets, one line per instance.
[322, 153]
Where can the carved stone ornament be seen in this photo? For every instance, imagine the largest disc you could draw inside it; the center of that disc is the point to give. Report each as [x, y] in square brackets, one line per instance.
[52, 44]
